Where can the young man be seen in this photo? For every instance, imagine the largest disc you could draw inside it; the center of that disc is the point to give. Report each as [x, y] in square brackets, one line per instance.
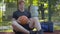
[18, 28]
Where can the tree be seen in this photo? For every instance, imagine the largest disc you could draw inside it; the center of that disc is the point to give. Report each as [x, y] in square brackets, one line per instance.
[0, 0]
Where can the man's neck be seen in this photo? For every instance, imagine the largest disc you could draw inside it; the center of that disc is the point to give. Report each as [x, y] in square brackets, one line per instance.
[22, 10]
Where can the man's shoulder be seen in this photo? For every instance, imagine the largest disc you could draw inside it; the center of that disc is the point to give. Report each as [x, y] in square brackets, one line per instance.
[26, 10]
[15, 11]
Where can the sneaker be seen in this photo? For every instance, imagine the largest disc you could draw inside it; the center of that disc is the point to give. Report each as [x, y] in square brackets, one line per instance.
[33, 32]
[40, 32]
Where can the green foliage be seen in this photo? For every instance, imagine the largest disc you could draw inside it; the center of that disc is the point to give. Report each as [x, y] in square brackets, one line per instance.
[56, 27]
[53, 2]
[8, 1]
[0, 0]
[11, 5]
[0, 16]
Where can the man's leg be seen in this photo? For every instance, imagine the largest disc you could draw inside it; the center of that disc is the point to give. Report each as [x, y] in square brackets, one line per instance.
[31, 24]
[37, 25]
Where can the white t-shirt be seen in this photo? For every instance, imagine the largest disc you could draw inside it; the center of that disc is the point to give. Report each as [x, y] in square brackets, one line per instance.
[34, 11]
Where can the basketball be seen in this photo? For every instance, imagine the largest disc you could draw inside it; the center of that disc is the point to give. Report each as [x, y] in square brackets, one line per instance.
[23, 20]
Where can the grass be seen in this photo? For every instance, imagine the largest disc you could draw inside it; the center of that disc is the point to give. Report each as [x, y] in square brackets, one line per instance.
[8, 30]
[56, 27]
[6, 23]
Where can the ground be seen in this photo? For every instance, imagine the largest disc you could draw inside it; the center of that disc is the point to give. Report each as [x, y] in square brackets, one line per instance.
[55, 32]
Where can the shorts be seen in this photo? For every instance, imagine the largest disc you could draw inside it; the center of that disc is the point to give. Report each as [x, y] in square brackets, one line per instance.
[25, 26]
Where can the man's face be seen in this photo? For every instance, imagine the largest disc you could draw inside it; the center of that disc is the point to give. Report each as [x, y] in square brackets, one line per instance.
[21, 5]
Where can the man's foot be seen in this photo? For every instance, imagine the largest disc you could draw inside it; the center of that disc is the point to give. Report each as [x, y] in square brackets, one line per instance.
[40, 32]
[33, 32]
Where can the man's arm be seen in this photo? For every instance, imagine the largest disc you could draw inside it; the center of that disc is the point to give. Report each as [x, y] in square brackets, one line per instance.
[18, 27]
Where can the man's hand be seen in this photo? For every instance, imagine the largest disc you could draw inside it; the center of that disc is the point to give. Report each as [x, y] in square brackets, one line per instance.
[28, 21]
[18, 20]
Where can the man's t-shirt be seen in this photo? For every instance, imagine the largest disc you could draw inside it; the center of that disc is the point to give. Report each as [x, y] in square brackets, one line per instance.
[18, 13]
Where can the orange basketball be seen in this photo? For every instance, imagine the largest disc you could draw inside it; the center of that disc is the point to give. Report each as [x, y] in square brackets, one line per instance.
[23, 20]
